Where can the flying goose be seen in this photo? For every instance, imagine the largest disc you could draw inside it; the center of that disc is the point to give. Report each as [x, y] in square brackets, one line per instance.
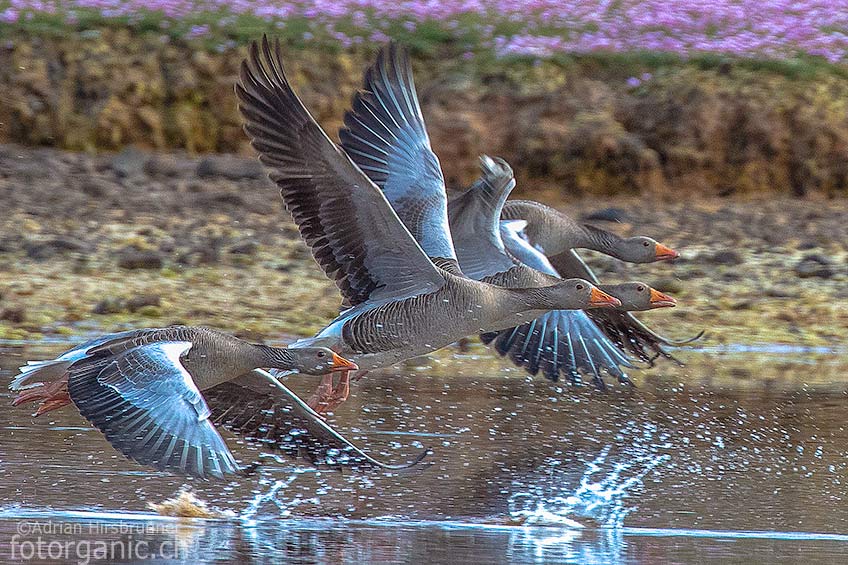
[555, 233]
[386, 137]
[557, 237]
[142, 389]
[560, 342]
[402, 300]
[524, 343]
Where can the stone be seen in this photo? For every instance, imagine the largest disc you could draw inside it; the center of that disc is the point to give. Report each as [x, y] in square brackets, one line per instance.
[130, 162]
[131, 258]
[42, 250]
[781, 292]
[15, 314]
[109, 305]
[726, 257]
[248, 247]
[140, 301]
[814, 265]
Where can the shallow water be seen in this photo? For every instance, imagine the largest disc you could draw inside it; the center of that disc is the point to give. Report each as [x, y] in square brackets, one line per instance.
[704, 463]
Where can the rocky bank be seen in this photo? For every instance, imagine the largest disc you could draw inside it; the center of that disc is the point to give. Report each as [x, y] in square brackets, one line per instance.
[101, 243]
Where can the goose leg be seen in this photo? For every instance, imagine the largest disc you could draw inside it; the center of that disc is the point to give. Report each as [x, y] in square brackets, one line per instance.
[340, 392]
[322, 395]
[49, 395]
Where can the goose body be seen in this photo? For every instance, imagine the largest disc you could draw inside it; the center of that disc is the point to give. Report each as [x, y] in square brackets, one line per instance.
[157, 393]
[395, 266]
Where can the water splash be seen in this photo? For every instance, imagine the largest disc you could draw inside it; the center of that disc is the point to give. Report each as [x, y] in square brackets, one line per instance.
[272, 491]
[602, 500]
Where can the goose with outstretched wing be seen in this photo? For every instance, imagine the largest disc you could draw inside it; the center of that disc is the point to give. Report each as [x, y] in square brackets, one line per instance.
[402, 300]
[385, 135]
[157, 393]
[556, 237]
[558, 343]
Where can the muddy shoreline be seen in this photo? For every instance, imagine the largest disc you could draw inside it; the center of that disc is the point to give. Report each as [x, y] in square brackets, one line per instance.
[101, 243]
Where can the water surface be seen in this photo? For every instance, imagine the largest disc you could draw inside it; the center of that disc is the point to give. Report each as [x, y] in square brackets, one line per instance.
[739, 457]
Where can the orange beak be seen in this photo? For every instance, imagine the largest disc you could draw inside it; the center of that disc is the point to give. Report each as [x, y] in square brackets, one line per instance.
[660, 300]
[664, 253]
[342, 364]
[600, 299]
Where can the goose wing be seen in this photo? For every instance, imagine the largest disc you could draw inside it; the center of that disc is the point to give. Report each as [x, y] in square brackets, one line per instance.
[625, 329]
[561, 342]
[474, 221]
[352, 230]
[386, 137]
[261, 409]
[149, 409]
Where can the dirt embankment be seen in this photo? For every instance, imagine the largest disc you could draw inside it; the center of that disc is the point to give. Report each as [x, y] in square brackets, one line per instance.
[580, 126]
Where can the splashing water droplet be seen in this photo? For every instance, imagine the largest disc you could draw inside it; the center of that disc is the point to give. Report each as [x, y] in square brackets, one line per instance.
[603, 501]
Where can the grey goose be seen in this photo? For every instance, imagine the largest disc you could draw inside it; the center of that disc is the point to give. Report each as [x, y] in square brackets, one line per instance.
[556, 237]
[386, 137]
[402, 300]
[156, 394]
[559, 342]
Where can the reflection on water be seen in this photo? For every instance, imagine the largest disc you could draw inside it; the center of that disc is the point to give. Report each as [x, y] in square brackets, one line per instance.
[522, 470]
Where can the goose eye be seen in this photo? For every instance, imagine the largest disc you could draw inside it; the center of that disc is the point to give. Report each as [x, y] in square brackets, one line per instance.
[645, 244]
[640, 288]
[321, 354]
[579, 287]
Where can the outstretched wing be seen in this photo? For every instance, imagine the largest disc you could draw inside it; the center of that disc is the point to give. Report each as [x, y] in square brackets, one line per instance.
[149, 409]
[561, 342]
[261, 409]
[474, 221]
[353, 233]
[385, 135]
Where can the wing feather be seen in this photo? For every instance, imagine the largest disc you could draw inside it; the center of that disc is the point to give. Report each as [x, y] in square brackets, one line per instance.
[386, 137]
[149, 409]
[352, 230]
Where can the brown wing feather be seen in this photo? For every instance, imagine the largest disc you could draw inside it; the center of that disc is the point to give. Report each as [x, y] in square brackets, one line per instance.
[353, 233]
[268, 414]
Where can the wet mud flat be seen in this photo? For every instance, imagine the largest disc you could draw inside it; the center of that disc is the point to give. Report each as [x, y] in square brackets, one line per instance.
[737, 457]
[138, 239]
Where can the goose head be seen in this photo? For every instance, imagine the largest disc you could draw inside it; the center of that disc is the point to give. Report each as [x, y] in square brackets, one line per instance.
[642, 249]
[575, 294]
[319, 361]
[637, 296]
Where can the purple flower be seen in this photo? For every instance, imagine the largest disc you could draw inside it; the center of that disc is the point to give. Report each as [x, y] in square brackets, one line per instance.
[198, 31]
[537, 28]
[9, 16]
